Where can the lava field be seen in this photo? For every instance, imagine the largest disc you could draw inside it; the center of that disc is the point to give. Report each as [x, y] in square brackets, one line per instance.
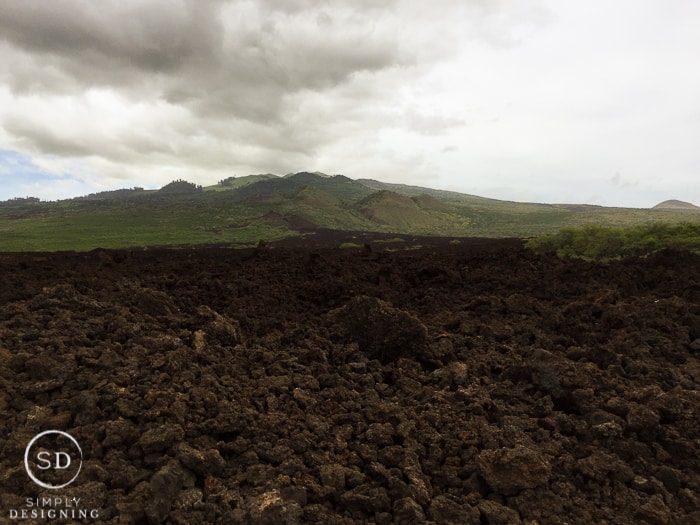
[463, 382]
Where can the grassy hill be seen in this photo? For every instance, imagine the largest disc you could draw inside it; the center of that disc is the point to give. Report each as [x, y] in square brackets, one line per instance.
[405, 214]
[240, 211]
[339, 186]
[232, 183]
[675, 205]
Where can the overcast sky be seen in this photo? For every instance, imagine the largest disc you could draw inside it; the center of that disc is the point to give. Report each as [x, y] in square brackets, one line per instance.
[574, 101]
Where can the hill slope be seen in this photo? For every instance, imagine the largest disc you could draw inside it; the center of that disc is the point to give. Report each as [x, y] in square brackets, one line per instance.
[675, 205]
[243, 210]
[338, 185]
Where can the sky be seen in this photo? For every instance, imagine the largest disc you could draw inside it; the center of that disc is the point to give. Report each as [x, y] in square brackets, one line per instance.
[558, 101]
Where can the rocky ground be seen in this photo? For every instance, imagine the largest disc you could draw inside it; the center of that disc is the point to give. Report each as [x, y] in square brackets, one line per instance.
[463, 383]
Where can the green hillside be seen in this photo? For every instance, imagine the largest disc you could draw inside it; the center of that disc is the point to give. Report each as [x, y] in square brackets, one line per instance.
[414, 191]
[341, 187]
[242, 210]
[232, 183]
[401, 214]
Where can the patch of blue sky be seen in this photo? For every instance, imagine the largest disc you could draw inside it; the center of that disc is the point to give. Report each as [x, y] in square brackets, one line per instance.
[21, 177]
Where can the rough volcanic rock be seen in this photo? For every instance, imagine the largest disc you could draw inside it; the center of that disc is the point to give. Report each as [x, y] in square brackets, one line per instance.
[444, 510]
[165, 487]
[471, 382]
[271, 509]
[218, 329]
[381, 330]
[496, 514]
[510, 470]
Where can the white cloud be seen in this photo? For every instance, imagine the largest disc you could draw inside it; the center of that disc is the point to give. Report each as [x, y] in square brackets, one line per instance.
[480, 96]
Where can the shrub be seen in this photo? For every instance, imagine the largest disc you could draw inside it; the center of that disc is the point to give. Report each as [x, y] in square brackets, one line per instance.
[604, 243]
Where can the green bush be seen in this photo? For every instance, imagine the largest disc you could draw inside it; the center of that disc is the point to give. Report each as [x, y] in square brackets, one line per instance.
[181, 186]
[605, 243]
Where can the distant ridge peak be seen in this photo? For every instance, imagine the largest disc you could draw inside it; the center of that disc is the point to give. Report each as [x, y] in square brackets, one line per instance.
[306, 173]
[675, 205]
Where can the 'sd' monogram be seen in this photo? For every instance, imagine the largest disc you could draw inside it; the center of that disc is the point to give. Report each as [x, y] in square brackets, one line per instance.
[53, 459]
[63, 460]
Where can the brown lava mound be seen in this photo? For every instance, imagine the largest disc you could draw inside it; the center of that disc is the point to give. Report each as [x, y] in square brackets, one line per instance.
[470, 383]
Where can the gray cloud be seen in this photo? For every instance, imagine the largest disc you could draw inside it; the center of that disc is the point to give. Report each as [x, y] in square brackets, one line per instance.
[132, 47]
[232, 59]
[213, 84]
[153, 36]
[188, 48]
[238, 69]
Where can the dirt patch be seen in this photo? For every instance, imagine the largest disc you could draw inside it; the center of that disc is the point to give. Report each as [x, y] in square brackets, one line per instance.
[269, 386]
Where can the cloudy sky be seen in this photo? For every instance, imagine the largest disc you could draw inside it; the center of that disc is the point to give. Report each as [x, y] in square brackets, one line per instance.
[591, 101]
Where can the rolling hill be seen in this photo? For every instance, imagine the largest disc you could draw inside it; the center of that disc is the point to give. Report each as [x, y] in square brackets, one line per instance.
[675, 205]
[242, 210]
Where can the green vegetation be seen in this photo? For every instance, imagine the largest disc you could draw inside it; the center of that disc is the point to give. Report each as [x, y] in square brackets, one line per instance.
[604, 243]
[180, 187]
[241, 210]
[18, 201]
[152, 220]
[232, 183]
[393, 240]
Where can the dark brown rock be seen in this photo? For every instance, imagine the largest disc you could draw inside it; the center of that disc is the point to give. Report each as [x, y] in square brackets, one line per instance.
[496, 514]
[510, 470]
[381, 330]
[444, 510]
[154, 302]
[161, 438]
[366, 499]
[333, 476]
[216, 329]
[654, 511]
[407, 512]
[165, 487]
[642, 418]
[203, 463]
[271, 509]
[599, 466]
[533, 390]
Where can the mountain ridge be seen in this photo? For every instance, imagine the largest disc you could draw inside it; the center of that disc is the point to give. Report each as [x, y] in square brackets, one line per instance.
[268, 183]
[242, 210]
